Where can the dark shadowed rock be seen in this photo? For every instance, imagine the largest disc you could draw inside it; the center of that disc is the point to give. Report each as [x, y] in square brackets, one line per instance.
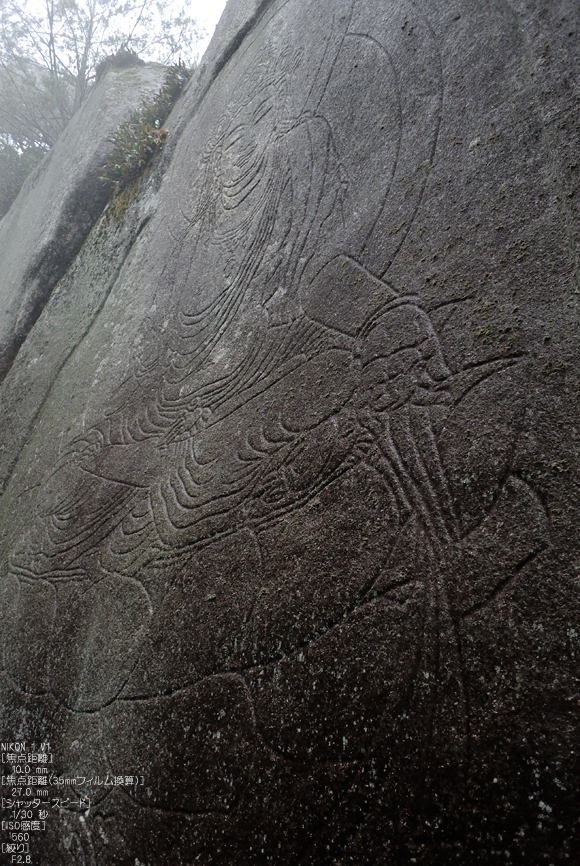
[289, 458]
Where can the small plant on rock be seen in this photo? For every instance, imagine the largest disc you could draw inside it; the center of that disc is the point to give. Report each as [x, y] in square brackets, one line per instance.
[121, 59]
[142, 136]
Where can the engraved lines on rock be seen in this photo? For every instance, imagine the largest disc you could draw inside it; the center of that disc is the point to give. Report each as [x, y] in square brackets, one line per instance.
[324, 75]
[403, 449]
[215, 318]
[437, 616]
[305, 233]
[363, 246]
[430, 48]
[410, 502]
[69, 502]
[268, 155]
[235, 300]
[435, 134]
[396, 457]
[392, 475]
[153, 421]
[418, 497]
[436, 623]
[69, 529]
[228, 306]
[400, 451]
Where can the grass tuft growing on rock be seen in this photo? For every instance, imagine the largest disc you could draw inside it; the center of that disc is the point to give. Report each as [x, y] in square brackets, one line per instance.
[142, 136]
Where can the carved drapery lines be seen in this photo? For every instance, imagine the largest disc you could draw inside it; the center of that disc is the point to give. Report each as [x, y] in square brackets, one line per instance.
[259, 170]
[157, 415]
[197, 334]
[191, 485]
[253, 405]
[286, 259]
[153, 419]
[397, 421]
[435, 134]
[389, 184]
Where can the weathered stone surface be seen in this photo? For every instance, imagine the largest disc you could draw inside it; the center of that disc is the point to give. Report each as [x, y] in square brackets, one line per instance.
[289, 509]
[59, 203]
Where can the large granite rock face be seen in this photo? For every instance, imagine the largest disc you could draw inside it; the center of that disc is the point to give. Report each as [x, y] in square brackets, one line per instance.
[290, 453]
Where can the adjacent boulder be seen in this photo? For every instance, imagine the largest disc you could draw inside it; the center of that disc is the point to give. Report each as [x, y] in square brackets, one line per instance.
[60, 202]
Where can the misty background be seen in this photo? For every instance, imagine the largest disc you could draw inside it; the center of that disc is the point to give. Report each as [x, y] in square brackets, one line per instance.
[53, 51]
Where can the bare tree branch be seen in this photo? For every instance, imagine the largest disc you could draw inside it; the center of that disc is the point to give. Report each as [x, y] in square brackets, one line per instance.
[48, 59]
